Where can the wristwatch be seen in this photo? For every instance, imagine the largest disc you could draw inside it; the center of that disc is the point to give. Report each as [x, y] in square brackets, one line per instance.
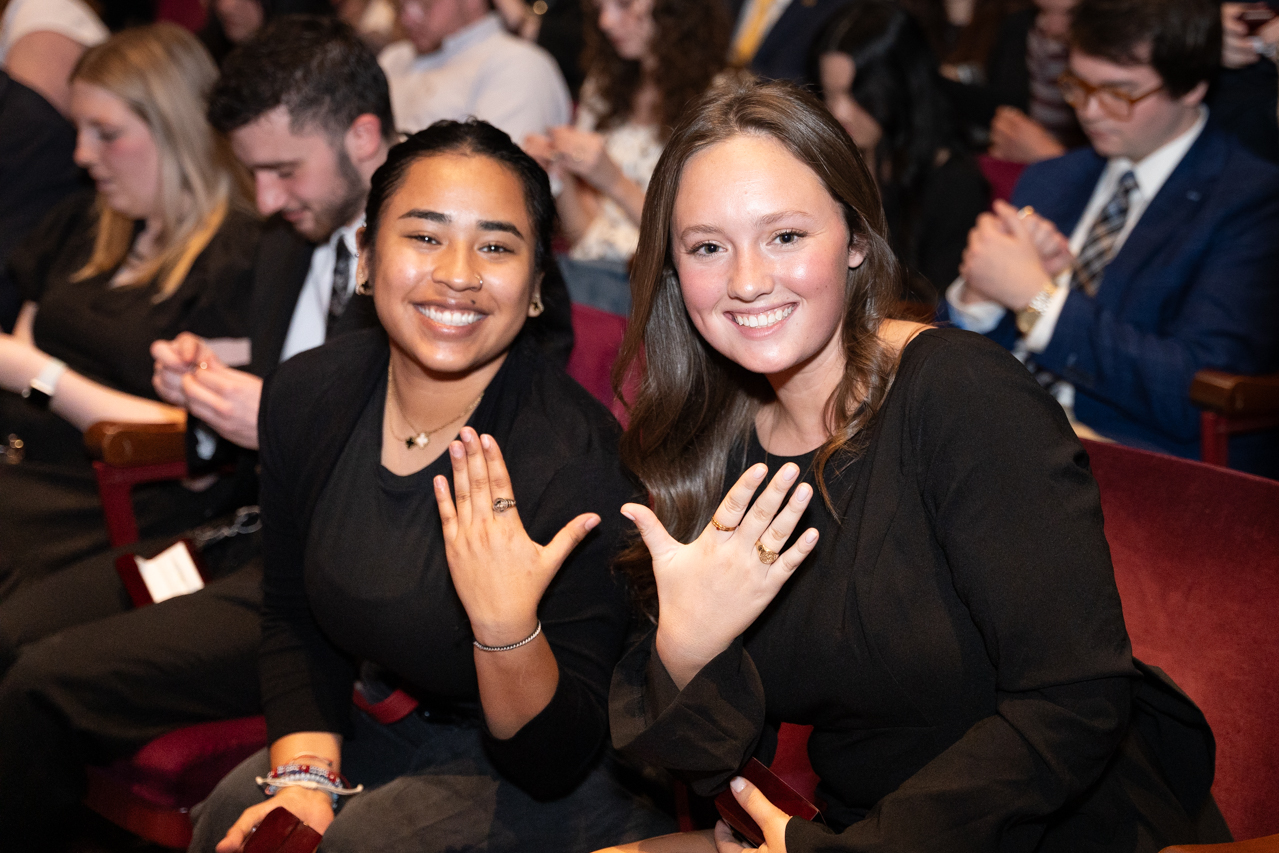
[41, 389]
[1029, 316]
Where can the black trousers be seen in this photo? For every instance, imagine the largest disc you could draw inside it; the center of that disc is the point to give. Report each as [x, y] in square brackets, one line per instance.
[97, 692]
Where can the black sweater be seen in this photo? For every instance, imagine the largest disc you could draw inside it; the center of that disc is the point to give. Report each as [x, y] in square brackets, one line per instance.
[390, 600]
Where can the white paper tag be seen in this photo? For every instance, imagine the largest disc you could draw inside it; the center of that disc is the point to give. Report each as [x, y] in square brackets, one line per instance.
[233, 352]
[170, 573]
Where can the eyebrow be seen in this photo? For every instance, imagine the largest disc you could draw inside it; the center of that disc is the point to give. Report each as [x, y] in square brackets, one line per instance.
[769, 219]
[274, 166]
[444, 219]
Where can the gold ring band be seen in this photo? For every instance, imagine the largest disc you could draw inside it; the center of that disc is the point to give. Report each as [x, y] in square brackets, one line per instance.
[766, 556]
[722, 527]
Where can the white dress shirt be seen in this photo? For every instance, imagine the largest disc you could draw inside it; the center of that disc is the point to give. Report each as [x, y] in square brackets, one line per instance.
[481, 71]
[311, 314]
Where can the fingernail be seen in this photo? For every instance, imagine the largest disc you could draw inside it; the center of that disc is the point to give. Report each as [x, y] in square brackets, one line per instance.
[789, 472]
[628, 515]
[804, 492]
[810, 537]
[759, 471]
[456, 449]
[737, 784]
[487, 441]
[591, 522]
[467, 435]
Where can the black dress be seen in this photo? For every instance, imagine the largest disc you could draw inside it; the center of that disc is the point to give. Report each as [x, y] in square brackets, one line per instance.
[49, 508]
[956, 640]
[355, 570]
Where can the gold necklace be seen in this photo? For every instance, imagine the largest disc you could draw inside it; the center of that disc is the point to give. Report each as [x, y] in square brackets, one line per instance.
[420, 438]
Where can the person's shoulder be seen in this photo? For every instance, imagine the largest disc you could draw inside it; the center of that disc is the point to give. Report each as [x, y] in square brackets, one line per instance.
[71, 18]
[1241, 170]
[518, 57]
[306, 379]
[1082, 159]
[944, 362]
[575, 420]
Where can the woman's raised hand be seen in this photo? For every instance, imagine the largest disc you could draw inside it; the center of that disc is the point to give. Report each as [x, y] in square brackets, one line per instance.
[499, 572]
[711, 590]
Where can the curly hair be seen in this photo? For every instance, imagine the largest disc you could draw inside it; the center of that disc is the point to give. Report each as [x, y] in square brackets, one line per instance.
[690, 45]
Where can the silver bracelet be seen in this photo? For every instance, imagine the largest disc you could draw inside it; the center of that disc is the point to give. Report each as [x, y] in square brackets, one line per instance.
[524, 642]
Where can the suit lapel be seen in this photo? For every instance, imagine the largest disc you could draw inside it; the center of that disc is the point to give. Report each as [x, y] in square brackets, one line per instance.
[1176, 203]
[283, 264]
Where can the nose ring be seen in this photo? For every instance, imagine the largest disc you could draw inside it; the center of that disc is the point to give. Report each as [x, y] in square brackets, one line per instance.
[480, 279]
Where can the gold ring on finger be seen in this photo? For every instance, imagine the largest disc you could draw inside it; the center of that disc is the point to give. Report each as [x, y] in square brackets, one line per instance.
[502, 504]
[725, 528]
[766, 556]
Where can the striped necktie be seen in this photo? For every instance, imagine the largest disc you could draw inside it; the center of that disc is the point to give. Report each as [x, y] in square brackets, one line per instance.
[1099, 247]
[752, 34]
[341, 293]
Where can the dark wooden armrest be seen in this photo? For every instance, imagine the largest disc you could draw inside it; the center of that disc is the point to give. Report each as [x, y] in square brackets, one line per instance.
[1268, 844]
[125, 445]
[1235, 395]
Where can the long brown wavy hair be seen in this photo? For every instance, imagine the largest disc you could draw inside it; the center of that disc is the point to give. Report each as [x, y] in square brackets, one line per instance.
[690, 45]
[693, 405]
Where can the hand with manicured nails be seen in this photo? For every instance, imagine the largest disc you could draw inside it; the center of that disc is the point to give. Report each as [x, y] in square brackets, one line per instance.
[712, 589]
[771, 820]
[499, 572]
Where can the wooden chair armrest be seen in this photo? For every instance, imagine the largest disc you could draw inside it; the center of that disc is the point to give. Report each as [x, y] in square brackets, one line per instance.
[127, 445]
[1235, 395]
[1268, 844]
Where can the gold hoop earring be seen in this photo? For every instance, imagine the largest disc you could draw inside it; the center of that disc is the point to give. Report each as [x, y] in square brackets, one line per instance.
[535, 307]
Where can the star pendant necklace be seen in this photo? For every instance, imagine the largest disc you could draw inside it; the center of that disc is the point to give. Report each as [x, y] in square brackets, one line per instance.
[420, 438]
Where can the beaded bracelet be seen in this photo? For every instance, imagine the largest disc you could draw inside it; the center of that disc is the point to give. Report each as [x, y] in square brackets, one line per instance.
[306, 776]
[524, 642]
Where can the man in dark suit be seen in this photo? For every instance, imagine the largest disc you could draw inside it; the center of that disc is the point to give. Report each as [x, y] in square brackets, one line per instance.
[774, 38]
[1171, 262]
[307, 109]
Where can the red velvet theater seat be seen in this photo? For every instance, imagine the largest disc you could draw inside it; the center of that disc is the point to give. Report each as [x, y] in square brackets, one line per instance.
[1196, 554]
[151, 793]
[597, 337]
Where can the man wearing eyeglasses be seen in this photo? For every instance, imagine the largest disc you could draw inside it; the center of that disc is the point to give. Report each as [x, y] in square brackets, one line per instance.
[1149, 255]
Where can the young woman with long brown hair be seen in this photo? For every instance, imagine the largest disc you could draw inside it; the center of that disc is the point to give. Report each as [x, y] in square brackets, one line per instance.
[645, 61]
[924, 578]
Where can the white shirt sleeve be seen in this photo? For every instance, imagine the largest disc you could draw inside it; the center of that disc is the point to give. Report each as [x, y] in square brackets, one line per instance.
[70, 18]
[980, 317]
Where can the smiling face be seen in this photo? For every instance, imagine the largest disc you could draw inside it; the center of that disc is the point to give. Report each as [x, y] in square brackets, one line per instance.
[629, 27]
[762, 252]
[307, 177]
[116, 147]
[1155, 120]
[452, 267]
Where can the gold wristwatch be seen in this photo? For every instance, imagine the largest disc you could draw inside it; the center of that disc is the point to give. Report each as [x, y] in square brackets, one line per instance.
[1029, 316]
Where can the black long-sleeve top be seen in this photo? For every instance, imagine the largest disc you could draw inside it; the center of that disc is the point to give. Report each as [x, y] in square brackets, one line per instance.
[355, 568]
[956, 638]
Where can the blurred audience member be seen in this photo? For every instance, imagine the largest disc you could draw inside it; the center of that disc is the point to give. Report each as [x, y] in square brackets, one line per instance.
[165, 248]
[1033, 121]
[1170, 263]
[374, 20]
[41, 41]
[774, 38]
[964, 35]
[458, 60]
[646, 60]
[233, 22]
[1246, 96]
[879, 80]
[36, 172]
[556, 27]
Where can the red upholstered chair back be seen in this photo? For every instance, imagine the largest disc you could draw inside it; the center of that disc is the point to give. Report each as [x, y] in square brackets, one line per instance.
[1196, 554]
[1002, 175]
[597, 338]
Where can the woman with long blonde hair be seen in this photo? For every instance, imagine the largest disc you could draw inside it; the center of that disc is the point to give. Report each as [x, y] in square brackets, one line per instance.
[165, 246]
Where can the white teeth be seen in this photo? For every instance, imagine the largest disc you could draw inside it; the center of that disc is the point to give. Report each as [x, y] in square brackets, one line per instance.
[449, 318]
[762, 321]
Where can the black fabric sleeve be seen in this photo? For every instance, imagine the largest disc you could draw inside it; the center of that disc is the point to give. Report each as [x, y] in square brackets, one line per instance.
[705, 732]
[1018, 517]
[34, 258]
[584, 616]
[306, 681]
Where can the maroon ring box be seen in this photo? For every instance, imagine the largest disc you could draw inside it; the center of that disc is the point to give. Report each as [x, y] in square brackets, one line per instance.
[282, 832]
[771, 786]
